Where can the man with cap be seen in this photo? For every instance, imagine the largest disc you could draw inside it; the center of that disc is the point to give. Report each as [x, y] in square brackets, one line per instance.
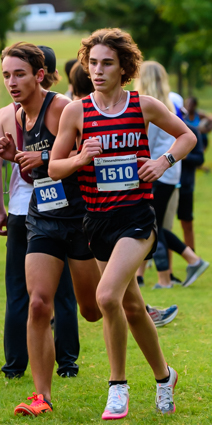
[66, 324]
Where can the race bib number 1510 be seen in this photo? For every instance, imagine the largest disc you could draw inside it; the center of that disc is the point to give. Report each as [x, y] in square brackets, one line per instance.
[116, 173]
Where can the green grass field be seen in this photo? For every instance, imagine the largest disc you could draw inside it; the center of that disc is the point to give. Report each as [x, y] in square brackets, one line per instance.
[186, 342]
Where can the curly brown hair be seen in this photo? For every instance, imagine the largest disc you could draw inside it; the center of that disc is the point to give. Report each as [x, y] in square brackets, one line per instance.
[129, 55]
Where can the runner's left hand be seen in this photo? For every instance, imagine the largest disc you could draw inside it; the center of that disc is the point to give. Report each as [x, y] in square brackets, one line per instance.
[151, 169]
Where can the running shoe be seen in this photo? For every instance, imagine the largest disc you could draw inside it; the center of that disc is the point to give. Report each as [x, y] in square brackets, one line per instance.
[70, 372]
[13, 375]
[140, 281]
[117, 402]
[193, 272]
[164, 396]
[175, 280]
[159, 286]
[38, 406]
[162, 317]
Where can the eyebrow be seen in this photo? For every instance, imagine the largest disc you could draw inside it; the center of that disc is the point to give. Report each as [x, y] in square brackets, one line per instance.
[15, 70]
[104, 59]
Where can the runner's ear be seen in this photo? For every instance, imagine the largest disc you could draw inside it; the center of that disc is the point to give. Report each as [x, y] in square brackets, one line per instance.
[40, 75]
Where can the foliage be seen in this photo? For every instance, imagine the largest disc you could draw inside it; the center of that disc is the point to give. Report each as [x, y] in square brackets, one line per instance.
[192, 19]
[169, 31]
[8, 11]
[139, 17]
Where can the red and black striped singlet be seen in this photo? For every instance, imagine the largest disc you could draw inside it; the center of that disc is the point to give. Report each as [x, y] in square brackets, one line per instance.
[120, 134]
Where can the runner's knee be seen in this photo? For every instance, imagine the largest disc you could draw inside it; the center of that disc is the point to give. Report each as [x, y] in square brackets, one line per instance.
[90, 312]
[106, 301]
[40, 309]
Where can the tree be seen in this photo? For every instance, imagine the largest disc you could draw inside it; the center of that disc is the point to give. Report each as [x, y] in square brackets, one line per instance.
[8, 10]
[154, 36]
[175, 33]
[192, 20]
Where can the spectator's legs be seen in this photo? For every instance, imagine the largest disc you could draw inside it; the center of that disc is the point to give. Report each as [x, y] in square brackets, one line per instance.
[17, 298]
[188, 233]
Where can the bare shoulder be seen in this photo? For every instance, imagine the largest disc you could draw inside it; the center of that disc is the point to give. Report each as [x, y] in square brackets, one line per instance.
[72, 116]
[59, 102]
[7, 120]
[6, 111]
[153, 110]
[148, 103]
[74, 109]
[55, 110]
[62, 106]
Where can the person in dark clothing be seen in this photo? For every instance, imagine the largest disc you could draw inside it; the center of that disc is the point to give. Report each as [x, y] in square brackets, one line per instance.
[194, 159]
[17, 303]
[197, 119]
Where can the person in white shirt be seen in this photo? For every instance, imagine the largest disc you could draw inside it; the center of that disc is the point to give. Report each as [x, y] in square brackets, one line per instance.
[153, 81]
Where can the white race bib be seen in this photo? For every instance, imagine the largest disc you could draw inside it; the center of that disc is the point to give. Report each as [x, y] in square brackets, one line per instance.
[50, 194]
[116, 173]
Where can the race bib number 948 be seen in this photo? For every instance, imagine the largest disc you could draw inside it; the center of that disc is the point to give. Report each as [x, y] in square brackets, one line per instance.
[50, 194]
[116, 173]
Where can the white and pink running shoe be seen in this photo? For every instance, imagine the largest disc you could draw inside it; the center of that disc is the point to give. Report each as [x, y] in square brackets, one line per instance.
[117, 402]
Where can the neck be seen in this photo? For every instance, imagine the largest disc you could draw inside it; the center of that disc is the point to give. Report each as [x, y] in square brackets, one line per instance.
[32, 106]
[109, 101]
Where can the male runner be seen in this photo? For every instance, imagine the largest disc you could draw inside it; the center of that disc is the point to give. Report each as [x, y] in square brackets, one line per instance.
[55, 217]
[65, 307]
[110, 126]
[88, 307]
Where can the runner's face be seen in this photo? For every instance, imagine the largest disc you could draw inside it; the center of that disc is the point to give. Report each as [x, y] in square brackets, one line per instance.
[18, 78]
[104, 68]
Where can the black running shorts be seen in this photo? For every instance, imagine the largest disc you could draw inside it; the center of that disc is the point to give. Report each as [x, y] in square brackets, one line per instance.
[104, 231]
[57, 238]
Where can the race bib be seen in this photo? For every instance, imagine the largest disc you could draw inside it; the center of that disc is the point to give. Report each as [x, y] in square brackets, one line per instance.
[116, 173]
[50, 194]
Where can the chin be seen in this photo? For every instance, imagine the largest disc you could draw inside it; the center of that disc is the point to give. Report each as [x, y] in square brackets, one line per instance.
[100, 89]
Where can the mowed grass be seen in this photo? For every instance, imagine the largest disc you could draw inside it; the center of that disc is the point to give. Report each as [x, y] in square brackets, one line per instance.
[186, 342]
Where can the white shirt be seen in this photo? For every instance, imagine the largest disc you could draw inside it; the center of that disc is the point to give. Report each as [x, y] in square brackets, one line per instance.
[20, 193]
[159, 143]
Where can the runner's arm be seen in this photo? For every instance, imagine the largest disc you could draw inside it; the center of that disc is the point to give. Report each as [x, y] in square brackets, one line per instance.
[62, 163]
[156, 112]
[3, 214]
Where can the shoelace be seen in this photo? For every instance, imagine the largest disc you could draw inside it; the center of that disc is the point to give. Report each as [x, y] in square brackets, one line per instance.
[35, 398]
[116, 392]
[164, 396]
